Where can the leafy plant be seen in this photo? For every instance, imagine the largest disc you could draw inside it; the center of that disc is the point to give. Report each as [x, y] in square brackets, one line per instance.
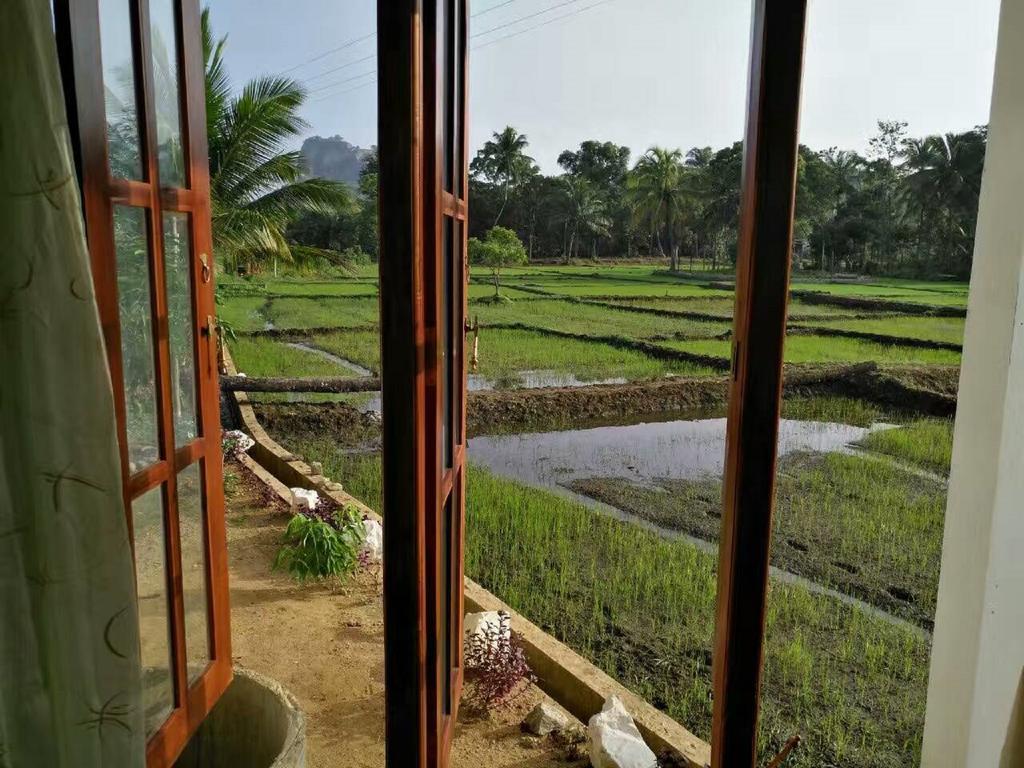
[500, 248]
[496, 667]
[318, 547]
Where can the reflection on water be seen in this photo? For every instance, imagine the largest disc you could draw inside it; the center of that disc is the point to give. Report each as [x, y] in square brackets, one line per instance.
[678, 450]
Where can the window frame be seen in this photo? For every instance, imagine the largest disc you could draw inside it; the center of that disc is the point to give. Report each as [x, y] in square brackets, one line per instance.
[77, 29]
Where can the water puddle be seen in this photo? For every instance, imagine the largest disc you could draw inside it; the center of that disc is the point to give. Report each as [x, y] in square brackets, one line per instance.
[647, 452]
[644, 453]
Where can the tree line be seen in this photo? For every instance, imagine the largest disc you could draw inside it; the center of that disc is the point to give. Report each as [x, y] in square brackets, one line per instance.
[906, 208]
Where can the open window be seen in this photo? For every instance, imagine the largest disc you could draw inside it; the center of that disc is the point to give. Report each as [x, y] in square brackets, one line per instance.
[134, 83]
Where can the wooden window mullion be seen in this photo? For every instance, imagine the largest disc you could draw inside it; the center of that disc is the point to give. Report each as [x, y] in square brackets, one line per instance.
[762, 287]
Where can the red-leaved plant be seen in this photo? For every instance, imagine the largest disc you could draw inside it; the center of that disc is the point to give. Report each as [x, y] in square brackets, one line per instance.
[496, 669]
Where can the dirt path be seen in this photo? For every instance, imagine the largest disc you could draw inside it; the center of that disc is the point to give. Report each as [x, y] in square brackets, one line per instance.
[326, 645]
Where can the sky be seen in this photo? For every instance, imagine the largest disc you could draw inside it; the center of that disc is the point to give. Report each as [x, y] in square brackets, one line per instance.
[638, 72]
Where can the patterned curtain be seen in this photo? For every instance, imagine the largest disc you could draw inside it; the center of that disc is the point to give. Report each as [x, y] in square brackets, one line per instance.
[70, 686]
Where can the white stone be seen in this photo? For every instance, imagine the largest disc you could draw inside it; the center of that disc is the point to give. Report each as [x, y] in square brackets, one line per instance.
[316, 468]
[304, 500]
[242, 441]
[614, 740]
[373, 543]
[486, 624]
[545, 718]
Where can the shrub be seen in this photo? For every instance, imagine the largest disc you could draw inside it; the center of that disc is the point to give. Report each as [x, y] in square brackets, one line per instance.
[496, 668]
[318, 548]
[500, 248]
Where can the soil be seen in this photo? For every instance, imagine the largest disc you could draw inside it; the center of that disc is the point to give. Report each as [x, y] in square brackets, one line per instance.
[914, 390]
[325, 644]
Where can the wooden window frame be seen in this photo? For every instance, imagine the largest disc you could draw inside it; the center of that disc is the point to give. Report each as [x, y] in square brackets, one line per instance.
[77, 29]
[422, 590]
[764, 256]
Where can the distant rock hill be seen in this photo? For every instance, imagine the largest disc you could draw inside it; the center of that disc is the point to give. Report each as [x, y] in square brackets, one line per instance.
[334, 158]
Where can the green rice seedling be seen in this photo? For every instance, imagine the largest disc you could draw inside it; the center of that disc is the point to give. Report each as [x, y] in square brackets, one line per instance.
[946, 329]
[261, 356]
[588, 319]
[927, 443]
[828, 349]
[347, 312]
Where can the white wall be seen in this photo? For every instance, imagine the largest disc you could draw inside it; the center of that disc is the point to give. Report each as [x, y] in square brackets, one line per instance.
[976, 690]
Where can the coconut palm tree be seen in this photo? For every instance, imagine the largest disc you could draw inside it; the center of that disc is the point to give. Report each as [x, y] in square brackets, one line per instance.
[586, 214]
[943, 183]
[256, 187]
[503, 161]
[661, 190]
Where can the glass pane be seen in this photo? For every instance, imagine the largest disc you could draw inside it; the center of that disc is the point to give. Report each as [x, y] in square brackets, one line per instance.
[444, 41]
[177, 265]
[446, 603]
[457, 338]
[133, 294]
[123, 144]
[167, 93]
[457, 96]
[445, 343]
[193, 569]
[154, 621]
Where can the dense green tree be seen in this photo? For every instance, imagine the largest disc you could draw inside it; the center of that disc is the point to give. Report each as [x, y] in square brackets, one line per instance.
[503, 162]
[499, 249]
[586, 215]
[257, 187]
[662, 196]
[907, 207]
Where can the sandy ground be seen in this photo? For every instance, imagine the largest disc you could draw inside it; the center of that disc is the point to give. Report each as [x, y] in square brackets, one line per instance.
[325, 644]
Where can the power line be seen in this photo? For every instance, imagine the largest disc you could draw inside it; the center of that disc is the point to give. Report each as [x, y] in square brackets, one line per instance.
[325, 54]
[342, 93]
[529, 16]
[546, 22]
[341, 82]
[574, 12]
[493, 8]
[495, 28]
[343, 66]
[349, 43]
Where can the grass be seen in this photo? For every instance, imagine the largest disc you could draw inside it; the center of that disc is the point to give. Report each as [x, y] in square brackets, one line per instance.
[360, 346]
[242, 313]
[641, 607]
[830, 349]
[258, 356]
[841, 410]
[948, 329]
[863, 527]
[927, 443]
[300, 287]
[589, 319]
[590, 287]
[504, 353]
[324, 313]
[918, 293]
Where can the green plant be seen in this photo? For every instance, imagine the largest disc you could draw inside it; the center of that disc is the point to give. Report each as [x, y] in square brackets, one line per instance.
[500, 248]
[316, 548]
[257, 187]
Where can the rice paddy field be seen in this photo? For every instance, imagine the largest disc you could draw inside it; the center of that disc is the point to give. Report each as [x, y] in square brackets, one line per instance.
[605, 534]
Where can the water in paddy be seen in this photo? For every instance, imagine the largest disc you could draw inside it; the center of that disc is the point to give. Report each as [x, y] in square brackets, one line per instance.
[648, 452]
[643, 453]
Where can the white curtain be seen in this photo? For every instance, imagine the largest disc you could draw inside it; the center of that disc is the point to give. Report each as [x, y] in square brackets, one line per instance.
[70, 691]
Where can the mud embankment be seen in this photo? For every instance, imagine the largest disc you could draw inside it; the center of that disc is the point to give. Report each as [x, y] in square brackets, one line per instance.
[911, 391]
